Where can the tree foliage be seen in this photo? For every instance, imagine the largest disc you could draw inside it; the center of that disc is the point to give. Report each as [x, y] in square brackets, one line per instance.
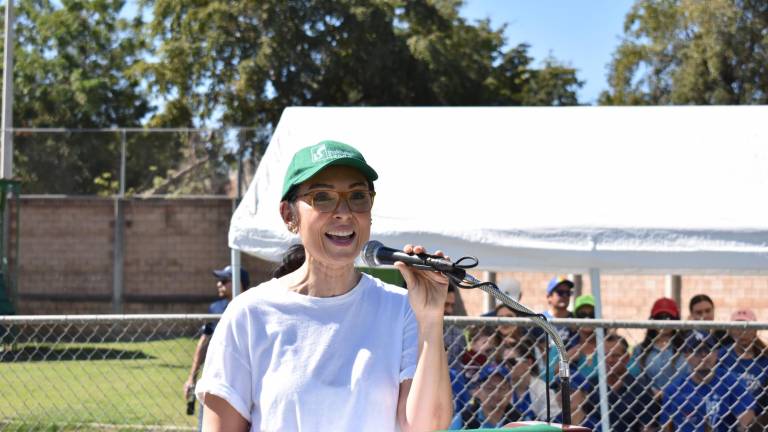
[692, 52]
[69, 63]
[84, 64]
[250, 60]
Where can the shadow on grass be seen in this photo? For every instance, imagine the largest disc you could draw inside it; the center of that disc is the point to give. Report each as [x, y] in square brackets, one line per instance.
[43, 353]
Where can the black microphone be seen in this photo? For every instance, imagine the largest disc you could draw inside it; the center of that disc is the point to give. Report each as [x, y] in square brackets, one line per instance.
[375, 254]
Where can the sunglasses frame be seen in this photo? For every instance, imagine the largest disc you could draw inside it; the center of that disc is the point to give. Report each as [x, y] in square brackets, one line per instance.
[341, 196]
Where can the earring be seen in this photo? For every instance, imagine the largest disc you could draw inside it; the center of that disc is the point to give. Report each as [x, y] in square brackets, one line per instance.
[292, 227]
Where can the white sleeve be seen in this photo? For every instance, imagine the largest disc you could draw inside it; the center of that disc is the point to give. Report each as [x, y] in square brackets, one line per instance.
[410, 352]
[227, 371]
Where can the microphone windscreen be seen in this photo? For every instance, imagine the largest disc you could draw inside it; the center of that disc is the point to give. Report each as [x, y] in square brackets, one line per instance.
[368, 253]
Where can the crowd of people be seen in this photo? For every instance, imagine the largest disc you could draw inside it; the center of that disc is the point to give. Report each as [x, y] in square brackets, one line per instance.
[673, 380]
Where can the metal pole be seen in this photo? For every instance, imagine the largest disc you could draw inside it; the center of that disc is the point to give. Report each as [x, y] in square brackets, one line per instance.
[240, 174]
[236, 288]
[673, 287]
[118, 279]
[605, 420]
[489, 302]
[578, 284]
[6, 164]
[123, 142]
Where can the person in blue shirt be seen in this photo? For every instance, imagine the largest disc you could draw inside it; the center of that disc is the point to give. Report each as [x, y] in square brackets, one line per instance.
[702, 308]
[224, 293]
[705, 400]
[746, 356]
[489, 406]
[559, 292]
[631, 404]
[658, 356]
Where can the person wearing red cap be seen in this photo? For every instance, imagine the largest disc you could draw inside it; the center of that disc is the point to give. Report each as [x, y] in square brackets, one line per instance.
[746, 356]
[658, 355]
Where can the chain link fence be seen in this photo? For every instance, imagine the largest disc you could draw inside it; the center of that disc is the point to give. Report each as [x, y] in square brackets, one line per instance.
[137, 161]
[128, 373]
[96, 372]
[653, 375]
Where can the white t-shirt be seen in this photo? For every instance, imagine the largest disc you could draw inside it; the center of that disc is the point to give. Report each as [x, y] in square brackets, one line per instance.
[291, 362]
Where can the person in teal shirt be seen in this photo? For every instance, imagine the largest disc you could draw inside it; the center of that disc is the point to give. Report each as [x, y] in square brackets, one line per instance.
[658, 356]
[582, 349]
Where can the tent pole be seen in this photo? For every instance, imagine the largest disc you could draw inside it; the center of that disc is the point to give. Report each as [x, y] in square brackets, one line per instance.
[673, 287]
[594, 276]
[236, 282]
[489, 303]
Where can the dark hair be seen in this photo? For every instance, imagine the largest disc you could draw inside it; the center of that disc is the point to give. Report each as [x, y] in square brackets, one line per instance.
[613, 337]
[293, 258]
[698, 299]
[677, 342]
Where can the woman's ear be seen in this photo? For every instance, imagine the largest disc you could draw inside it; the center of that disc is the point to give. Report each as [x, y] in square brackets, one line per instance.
[290, 219]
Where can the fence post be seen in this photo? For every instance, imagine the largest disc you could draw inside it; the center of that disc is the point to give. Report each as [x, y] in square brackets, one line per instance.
[118, 258]
[605, 418]
[489, 302]
[673, 287]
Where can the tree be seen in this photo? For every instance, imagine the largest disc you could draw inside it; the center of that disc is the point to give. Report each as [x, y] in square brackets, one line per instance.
[691, 52]
[249, 60]
[70, 59]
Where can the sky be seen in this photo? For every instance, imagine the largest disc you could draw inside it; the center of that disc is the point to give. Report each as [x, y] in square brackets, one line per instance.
[579, 33]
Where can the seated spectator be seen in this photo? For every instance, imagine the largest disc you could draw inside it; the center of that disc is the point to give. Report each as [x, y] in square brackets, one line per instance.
[478, 353]
[582, 346]
[529, 392]
[702, 308]
[658, 356]
[705, 400]
[482, 348]
[746, 356]
[511, 335]
[631, 403]
[453, 336]
[489, 406]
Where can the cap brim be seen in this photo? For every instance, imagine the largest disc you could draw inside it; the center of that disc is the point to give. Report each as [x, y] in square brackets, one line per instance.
[221, 274]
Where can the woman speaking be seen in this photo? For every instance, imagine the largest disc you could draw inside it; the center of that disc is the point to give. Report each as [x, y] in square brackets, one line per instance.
[327, 347]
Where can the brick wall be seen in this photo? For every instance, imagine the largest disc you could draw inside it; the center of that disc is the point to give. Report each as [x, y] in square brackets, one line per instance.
[66, 253]
[630, 297]
[171, 245]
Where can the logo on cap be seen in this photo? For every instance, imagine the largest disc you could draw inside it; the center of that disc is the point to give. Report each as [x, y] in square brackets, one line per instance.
[321, 153]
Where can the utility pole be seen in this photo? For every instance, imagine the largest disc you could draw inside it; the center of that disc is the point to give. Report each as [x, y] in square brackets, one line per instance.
[6, 156]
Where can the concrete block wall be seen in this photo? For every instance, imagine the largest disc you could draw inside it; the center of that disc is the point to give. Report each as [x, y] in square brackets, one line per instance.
[66, 253]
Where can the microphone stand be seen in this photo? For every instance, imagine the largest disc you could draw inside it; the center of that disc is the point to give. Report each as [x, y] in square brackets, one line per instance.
[565, 373]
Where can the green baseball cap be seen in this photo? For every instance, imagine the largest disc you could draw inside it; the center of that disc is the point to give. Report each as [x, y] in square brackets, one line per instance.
[311, 160]
[583, 300]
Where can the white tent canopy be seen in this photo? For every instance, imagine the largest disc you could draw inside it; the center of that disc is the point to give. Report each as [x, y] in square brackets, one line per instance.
[621, 189]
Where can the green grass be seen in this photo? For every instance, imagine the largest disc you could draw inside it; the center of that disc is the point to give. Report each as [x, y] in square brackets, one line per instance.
[122, 384]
